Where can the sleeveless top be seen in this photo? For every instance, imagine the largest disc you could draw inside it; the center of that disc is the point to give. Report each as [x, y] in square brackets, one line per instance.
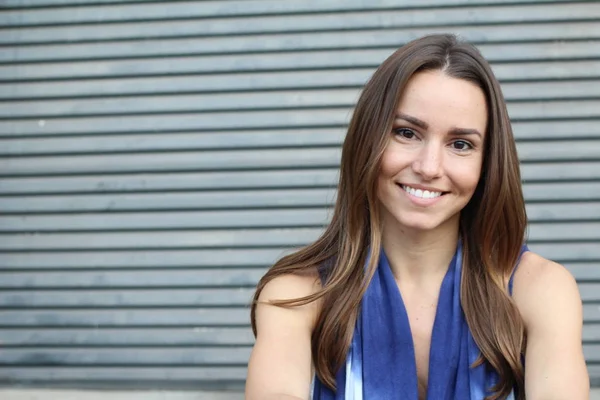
[380, 363]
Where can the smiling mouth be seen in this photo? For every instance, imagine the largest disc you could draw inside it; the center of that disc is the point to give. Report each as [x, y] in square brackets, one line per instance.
[423, 194]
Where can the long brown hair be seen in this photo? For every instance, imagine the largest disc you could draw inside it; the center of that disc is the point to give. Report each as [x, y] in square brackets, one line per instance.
[492, 225]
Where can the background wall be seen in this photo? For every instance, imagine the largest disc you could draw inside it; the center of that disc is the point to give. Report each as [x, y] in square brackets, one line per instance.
[157, 156]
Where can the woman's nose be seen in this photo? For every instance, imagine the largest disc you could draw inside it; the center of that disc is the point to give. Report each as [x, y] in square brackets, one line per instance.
[428, 163]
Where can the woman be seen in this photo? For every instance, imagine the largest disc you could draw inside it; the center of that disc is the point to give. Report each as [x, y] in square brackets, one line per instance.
[409, 292]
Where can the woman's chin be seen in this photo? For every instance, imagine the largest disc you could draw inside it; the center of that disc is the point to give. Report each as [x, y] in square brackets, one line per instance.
[421, 224]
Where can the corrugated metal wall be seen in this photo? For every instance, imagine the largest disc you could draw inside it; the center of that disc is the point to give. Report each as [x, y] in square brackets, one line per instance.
[156, 157]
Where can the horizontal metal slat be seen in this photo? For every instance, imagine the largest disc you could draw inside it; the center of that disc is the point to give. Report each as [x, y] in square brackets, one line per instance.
[298, 41]
[156, 336]
[173, 201]
[555, 231]
[172, 259]
[582, 259]
[196, 220]
[334, 97]
[592, 352]
[242, 140]
[240, 297]
[211, 160]
[199, 336]
[158, 317]
[316, 22]
[175, 239]
[254, 139]
[127, 356]
[152, 259]
[554, 129]
[591, 332]
[561, 211]
[308, 197]
[179, 103]
[106, 318]
[546, 192]
[171, 220]
[250, 81]
[248, 159]
[149, 356]
[590, 292]
[235, 279]
[170, 122]
[34, 4]
[244, 180]
[556, 171]
[523, 67]
[558, 231]
[582, 271]
[568, 252]
[260, 119]
[322, 177]
[136, 376]
[191, 376]
[185, 10]
[291, 87]
[556, 150]
[161, 298]
[38, 295]
[234, 258]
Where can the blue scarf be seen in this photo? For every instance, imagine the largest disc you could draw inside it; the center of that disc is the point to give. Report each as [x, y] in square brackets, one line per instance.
[380, 363]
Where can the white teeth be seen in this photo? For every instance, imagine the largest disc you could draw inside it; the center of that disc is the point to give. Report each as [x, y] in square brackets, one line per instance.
[424, 194]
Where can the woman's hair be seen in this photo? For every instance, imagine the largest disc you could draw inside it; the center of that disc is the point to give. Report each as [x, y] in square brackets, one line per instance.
[492, 224]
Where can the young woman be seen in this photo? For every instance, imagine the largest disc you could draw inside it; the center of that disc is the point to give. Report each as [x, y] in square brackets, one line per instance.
[409, 292]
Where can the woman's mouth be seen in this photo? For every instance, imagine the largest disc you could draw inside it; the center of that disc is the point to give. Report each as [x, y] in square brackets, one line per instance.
[423, 194]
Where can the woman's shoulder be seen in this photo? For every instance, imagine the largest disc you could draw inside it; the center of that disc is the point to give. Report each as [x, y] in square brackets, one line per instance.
[281, 360]
[536, 271]
[292, 286]
[543, 289]
[548, 300]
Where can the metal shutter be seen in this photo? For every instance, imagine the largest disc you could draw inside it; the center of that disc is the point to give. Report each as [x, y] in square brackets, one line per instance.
[157, 156]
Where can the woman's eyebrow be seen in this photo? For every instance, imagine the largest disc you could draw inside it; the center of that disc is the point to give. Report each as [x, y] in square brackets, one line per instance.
[465, 131]
[424, 125]
[413, 120]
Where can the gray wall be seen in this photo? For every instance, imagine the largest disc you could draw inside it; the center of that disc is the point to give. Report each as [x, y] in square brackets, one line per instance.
[156, 157]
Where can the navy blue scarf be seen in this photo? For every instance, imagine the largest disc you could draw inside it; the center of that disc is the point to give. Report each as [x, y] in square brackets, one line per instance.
[381, 360]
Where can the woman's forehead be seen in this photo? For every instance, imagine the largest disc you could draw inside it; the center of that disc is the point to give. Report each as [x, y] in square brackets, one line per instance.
[439, 100]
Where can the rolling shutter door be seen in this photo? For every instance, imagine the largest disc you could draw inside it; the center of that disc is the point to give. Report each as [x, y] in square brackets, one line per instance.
[156, 157]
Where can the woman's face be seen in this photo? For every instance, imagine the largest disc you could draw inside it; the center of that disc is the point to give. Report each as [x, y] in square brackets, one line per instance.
[432, 163]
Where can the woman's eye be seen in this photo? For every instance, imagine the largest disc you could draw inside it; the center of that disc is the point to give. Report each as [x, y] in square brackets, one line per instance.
[461, 145]
[405, 133]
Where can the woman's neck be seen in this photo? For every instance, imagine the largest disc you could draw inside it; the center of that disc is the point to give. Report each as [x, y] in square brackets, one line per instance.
[419, 255]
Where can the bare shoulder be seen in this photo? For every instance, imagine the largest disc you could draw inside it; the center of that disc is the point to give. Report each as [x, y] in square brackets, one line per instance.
[280, 364]
[536, 270]
[290, 287]
[544, 288]
[548, 299]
